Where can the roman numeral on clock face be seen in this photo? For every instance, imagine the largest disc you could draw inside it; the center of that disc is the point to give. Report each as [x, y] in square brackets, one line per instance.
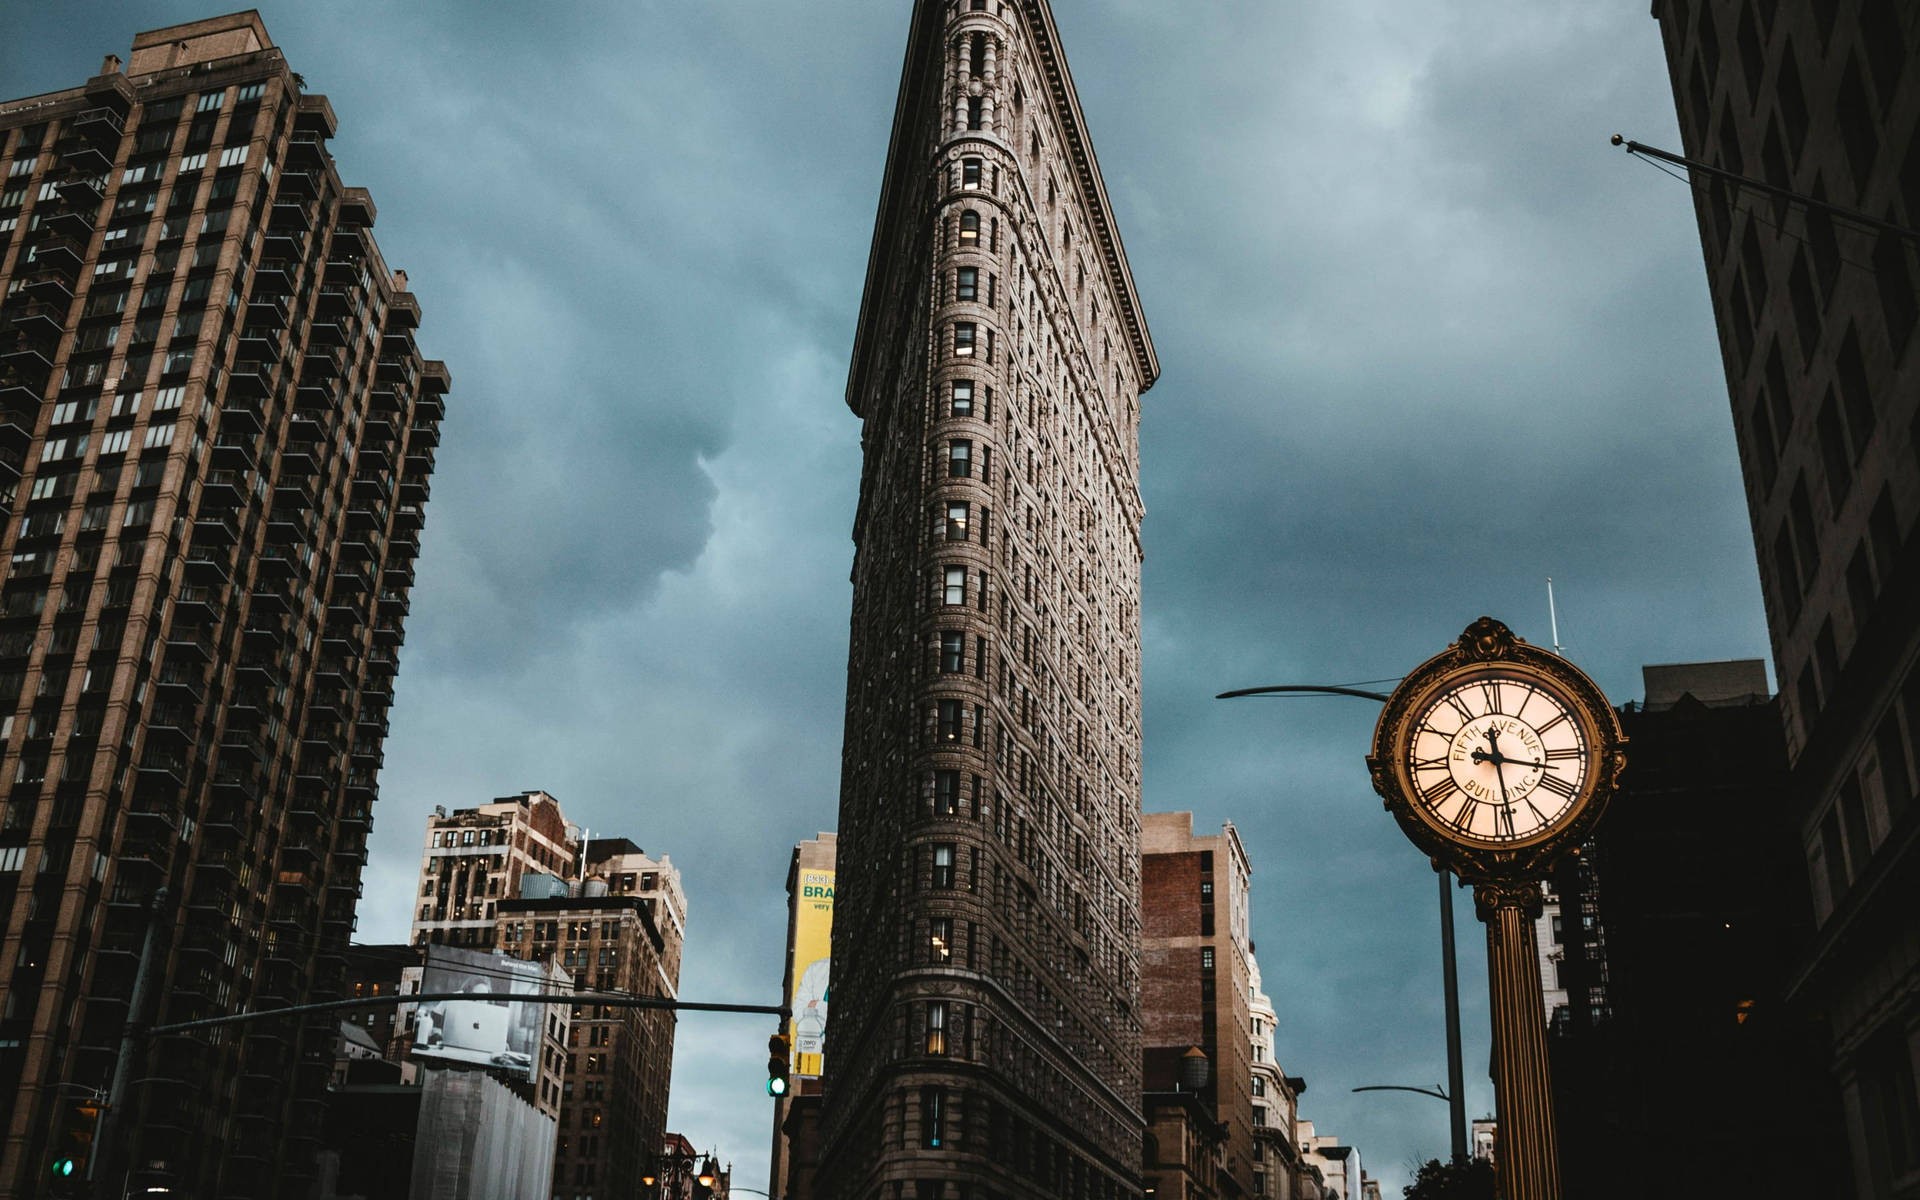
[1490, 696]
[1457, 705]
[1437, 791]
[1558, 786]
[1568, 752]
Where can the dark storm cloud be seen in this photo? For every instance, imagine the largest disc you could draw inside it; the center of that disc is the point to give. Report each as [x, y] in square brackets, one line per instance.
[1427, 339]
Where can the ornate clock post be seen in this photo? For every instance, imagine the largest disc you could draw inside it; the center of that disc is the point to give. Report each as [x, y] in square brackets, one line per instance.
[1497, 758]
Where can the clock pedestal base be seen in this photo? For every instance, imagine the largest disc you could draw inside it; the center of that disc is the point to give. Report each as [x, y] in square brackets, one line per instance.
[1529, 1161]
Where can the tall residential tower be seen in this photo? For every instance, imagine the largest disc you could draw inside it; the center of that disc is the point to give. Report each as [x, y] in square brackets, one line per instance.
[985, 1027]
[216, 442]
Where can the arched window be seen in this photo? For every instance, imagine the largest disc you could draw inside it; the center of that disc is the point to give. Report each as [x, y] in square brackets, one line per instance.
[969, 229]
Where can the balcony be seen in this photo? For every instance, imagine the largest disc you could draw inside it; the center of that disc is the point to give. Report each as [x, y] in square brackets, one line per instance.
[403, 311]
[322, 362]
[46, 283]
[388, 399]
[184, 645]
[374, 457]
[86, 187]
[299, 461]
[292, 215]
[316, 395]
[339, 300]
[348, 241]
[276, 274]
[382, 660]
[364, 518]
[398, 573]
[389, 633]
[223, 489]
[399, 370]
[269, 601]
[419, 462]
[283, 561]
[251, 378]
[29, 357]
[196, 603]
[287, 245]
[236, 452]
[243, 415]
[398, 344]
[209, 566]
[289, 527]
[307, 150]
[378, 430]
[215, 530]
[181, 682]
[259, 671]
[268, 310]
[351, 580]
[394, 600]
[327, 332]
[60, 253]
[404, 546]
[348, 272]
[300, 184]
[101, 125]
[75, 223]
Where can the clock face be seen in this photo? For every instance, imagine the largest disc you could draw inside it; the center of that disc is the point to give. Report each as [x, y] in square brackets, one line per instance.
[1497, 757]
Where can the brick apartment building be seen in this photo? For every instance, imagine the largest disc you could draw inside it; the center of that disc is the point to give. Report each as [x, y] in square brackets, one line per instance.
[216, 437]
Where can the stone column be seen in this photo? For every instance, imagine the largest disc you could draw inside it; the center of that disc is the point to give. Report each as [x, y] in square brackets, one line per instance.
[1529, 1160]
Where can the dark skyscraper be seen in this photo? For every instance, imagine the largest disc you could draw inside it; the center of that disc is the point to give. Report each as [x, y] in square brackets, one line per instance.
[984, 1035]
[217, 440]
[1817, 313]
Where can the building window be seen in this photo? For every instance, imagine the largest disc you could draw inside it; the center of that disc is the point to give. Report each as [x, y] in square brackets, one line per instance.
[966, 283]
[956, 521]
[946, 792]
[1259, 1116]
[955, 590]
[963, 332]
[1259, 1085]
[936, 1031]
[970, 173]
[959, 460]
[1206, 958]
[969, 229]
[976, 111]
[949, 711]
[962, 398]
[940, 940]
[952, 652]
[943, 865]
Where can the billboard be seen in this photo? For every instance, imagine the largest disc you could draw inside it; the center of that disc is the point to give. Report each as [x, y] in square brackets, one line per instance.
[480, 1028]
[812, 960]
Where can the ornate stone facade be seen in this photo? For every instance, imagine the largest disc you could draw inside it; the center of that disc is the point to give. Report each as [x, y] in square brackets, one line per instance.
[985, 1030]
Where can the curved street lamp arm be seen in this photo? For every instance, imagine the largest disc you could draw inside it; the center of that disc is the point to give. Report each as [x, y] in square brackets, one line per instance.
[1436, 1092]
[1308, 688]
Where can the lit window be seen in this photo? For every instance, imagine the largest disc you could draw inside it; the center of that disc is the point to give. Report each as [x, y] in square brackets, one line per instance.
[963, 338]
[955, 591]
[946, 792]
[933, 1116]
[936, 1032]
[966, 283]
[969, 229]
[970, 173]
[1206, 958]
[963, 397]
[949, 717]
[210, 101]
[233, 156]
[956, 521]
[943, 865]
[940, 939]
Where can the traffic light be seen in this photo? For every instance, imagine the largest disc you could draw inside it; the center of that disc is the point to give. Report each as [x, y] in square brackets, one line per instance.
[779, 1062]
[73, 1146]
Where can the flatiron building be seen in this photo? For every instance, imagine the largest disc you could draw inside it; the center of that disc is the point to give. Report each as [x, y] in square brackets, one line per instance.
[216, 441]
[984, 1038]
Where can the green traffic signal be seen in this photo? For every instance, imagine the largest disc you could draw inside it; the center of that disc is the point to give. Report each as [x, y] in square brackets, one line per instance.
[63, 1167]
[776, 1086]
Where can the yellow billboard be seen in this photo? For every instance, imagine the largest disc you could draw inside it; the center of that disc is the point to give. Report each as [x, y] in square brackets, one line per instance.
[812, 961]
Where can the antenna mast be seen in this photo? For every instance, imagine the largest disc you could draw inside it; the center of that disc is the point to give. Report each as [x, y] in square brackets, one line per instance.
[1553, 619]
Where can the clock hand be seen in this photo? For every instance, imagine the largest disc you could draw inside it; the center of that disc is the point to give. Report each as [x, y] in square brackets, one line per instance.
[1480, 756]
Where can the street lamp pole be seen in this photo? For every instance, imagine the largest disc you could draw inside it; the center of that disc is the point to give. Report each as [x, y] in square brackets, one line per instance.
[1456, 1094]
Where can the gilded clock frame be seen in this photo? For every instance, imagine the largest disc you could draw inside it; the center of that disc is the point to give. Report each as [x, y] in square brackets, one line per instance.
[1489, 644]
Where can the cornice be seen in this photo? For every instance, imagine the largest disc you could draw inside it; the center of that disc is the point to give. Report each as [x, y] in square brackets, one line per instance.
[1046, 38]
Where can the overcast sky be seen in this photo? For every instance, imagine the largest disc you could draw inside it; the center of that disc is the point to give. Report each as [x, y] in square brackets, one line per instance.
[1426, 340]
